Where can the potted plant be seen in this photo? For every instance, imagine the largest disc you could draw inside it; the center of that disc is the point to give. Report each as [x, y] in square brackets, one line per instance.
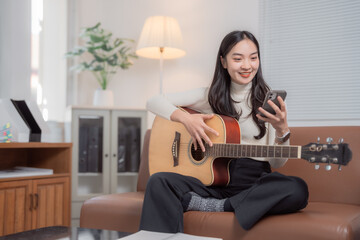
[103, 56]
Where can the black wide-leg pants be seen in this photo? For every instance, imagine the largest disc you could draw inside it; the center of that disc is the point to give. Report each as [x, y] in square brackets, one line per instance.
[254, 191]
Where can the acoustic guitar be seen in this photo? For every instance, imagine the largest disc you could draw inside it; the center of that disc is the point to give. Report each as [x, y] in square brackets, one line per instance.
[171, 150]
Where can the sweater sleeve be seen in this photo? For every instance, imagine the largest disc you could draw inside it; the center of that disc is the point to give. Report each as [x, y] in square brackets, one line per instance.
[164, 105]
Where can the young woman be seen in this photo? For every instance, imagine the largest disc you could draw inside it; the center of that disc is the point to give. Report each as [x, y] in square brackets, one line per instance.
[237, 90]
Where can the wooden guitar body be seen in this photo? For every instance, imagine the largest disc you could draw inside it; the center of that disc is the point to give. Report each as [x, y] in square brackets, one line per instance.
[208, 169]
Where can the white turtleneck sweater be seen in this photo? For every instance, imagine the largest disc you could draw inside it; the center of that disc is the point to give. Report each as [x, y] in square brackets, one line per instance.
[197, 99]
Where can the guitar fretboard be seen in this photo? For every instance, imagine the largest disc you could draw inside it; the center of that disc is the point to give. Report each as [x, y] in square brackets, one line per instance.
[244, 150]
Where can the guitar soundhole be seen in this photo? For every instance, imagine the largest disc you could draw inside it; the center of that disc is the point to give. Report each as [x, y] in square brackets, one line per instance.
[197, 154]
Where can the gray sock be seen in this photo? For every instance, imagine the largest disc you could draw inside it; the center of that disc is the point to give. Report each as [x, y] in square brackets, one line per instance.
[198, 203]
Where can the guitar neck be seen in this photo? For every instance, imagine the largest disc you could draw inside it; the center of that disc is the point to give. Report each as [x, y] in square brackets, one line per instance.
[257, 151]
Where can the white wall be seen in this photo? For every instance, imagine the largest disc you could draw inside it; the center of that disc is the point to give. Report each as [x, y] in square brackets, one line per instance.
[203, 23]
[15, 30]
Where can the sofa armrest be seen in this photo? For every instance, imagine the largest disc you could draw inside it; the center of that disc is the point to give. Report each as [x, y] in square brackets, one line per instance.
[120, 211]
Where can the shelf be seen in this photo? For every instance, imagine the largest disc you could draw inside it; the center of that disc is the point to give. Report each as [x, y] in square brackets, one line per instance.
[54, 156]
[34, 145]
[35, 177]
[127, 174]
[89, 174]
[112, 108]
[111, 136]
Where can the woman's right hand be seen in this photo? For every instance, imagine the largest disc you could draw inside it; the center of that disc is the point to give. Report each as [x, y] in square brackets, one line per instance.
[196, 126]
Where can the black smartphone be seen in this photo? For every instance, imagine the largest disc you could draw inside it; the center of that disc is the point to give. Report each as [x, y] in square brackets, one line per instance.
[272, 95]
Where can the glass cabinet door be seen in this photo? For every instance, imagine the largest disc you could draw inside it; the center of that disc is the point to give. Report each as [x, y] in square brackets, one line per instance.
[91, 171]
[128, 130]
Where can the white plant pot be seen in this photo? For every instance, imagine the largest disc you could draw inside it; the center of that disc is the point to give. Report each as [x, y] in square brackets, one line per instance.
[103, 98]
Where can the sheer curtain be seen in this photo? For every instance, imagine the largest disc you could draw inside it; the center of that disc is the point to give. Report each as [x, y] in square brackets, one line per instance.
[312, 50]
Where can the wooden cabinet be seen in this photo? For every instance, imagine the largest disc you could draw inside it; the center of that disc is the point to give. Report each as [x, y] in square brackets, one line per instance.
[15, 213]
[51, 202]
[35, 201]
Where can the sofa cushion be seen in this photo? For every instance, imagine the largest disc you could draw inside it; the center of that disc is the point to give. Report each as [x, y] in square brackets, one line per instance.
[319, 220]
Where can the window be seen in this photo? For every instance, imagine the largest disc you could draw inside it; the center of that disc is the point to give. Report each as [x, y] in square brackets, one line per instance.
[312, 50]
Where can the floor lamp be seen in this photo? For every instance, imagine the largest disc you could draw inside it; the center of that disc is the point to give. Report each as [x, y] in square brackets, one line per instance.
[160, 39]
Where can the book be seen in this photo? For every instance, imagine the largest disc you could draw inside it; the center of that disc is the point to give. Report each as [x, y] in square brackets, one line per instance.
[129, 140]
[83, 148]
[122, 135]
[134, 149]
[90, 144]
[24, 172]
[149, 235]
[94, 149]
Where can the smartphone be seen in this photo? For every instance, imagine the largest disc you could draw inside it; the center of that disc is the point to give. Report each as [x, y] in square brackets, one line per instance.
[272, 95]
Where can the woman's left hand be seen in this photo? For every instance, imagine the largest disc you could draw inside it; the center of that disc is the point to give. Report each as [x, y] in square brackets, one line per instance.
[279, 120]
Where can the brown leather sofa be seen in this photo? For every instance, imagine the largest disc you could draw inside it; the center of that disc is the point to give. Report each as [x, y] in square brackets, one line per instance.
[333, 211]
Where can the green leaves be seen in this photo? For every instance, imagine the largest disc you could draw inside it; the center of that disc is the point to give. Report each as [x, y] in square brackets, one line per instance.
[101, 54]
[77, 51]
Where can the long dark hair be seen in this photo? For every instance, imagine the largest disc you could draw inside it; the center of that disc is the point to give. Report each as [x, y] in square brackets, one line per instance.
[219, 92]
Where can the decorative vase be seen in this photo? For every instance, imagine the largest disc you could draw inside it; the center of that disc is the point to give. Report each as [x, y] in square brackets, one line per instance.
[103, 98]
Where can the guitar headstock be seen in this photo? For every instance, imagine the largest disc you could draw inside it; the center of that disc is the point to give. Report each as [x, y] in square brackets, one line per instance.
[339, 153]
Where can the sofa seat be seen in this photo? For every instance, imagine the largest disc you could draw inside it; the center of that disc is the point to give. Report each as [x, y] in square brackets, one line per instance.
[319, 220]
[333, 211]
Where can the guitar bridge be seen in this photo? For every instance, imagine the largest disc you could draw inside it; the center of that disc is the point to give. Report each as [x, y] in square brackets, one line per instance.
[175, 148]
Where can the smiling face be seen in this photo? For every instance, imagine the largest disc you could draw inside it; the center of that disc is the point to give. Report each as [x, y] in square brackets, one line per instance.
[242, 62]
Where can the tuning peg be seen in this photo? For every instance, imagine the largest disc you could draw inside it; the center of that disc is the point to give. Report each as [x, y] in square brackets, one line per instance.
[341, 140]
[328, 167]
[317, 166]
[329, 140]
[318, 140]
[339, 168]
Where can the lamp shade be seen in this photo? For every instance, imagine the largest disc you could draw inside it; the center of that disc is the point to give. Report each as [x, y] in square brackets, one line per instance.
[160, 35]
